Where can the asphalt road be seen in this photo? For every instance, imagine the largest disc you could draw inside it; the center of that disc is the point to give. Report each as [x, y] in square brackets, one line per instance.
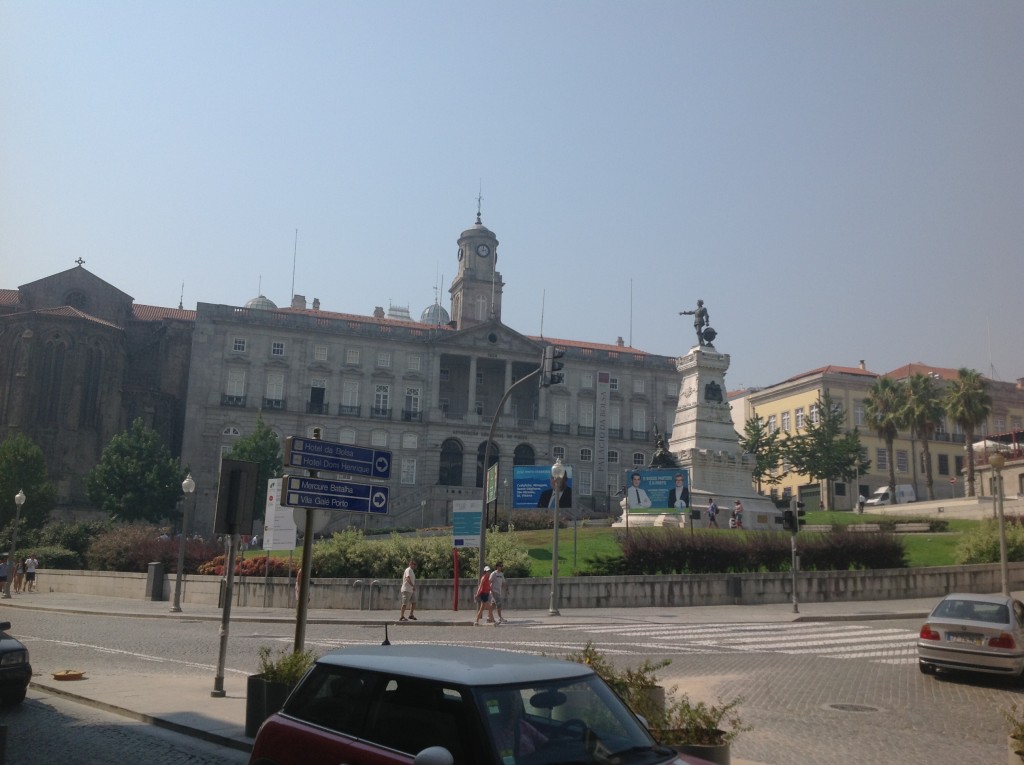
[814, 693]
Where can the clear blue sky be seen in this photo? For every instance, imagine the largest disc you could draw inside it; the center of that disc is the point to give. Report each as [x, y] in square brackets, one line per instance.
[837, 180]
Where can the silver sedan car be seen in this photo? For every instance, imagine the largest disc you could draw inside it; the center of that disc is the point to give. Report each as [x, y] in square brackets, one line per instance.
[973, 633]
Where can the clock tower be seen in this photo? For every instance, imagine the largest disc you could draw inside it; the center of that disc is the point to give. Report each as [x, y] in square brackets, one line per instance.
[476, 288]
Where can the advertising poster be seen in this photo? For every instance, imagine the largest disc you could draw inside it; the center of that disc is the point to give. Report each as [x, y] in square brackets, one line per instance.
[532, 487]
[466, 517]
[657, 490]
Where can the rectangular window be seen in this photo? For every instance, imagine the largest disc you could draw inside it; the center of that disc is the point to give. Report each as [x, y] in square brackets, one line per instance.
[443, 404]
[943, 460]
[236, 382]
[959, 463]
[379, 438]
[275, 386]
[445, 374]
[640, 420]
[350, 396]
[815, 414]
[639, 385]
[902, 461]
[558, 453]
[613, 458]
[858, 415]
[412, 402]
[613, 383]
[410, 441]
[586, 455]
[587, 414]
[772, 426]
[585, 482]
[384, 359]
[409, 471]
[638, 459]
[799, 412]
[352, 357]
[587, 380]
[881, 459]
[347, 436]
[479, 378]
[560, 412]
[319, 353]
[238, 346]
[381, 399]
[785, 421]
[277, 348]
[414, 362]
[1000, 423]
[1016, 422]
[318, 395]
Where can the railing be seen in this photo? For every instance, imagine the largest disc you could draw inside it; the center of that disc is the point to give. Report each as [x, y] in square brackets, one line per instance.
[348, 410]
[274, 403]
[379, 413]
[412, 415]
[585, 430]
[638, 435]
[226, 400]
[615, 432]
[312, 408]
[559, 428]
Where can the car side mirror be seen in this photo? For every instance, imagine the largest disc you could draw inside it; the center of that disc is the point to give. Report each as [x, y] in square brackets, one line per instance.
[434, 755]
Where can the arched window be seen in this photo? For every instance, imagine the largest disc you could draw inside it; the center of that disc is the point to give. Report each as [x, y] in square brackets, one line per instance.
[524, 455]
[492, 458]
[51, 383]
[450, 471]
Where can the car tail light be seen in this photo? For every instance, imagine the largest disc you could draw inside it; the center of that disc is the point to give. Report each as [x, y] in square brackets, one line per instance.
[927, 633]
[1005, 640]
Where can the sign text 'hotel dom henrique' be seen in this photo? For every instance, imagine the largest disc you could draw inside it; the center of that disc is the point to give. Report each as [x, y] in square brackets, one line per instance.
[312, 454]
[326, 494]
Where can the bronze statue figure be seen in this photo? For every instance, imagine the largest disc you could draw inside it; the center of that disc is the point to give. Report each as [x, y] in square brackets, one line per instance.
[701, 319]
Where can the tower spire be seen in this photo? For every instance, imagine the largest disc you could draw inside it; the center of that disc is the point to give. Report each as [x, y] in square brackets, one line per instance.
[479, 199]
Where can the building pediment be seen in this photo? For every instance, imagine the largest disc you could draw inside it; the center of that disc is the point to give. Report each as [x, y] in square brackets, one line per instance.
[78, 289]
[492, 335]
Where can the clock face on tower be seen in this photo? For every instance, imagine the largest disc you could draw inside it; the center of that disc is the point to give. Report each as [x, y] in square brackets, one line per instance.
[483, 250]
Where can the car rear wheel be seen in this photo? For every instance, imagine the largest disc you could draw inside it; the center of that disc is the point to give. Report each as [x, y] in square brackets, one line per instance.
[14, 697]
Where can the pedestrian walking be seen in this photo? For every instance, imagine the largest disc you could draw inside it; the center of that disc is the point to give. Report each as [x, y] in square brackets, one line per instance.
[408, 593]
[3, 573]
[737, 515]
[483, 597]
[19, 577]
[860, 503]
[498, 589]
[712, 513]
[31, 564]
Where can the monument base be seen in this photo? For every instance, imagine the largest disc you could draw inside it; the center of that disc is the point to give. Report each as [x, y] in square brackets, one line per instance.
[636, 520]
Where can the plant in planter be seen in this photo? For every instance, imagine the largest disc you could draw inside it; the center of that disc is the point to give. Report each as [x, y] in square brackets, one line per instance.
[1014, 717]
[692, 727]
[267, 691]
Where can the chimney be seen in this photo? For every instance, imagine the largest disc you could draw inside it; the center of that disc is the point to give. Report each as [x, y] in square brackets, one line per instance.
[316, 304]
[378, 312]
[299, 302]
[861, 365]
[619, 341]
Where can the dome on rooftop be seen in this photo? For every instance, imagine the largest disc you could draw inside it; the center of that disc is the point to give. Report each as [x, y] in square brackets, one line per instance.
[261, 303]
[434, 315]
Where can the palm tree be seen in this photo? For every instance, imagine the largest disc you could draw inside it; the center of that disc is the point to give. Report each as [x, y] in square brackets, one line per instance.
[922, 413]
[884, 407]
[968, 404]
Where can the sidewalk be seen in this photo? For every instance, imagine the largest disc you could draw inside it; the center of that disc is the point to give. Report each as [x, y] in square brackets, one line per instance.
[183, 705]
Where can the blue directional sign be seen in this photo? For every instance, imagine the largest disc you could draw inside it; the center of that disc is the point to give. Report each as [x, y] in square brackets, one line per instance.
[313, 454]
[326, 494]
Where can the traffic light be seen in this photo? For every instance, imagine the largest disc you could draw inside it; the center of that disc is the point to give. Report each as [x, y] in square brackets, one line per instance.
[549, 367]
[787, 520]
[796, 514]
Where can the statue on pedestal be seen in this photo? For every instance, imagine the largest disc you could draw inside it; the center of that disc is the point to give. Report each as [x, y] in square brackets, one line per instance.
[702, 324]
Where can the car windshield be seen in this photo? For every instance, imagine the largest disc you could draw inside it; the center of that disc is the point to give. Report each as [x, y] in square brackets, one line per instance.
[973, 610]
[579, 720]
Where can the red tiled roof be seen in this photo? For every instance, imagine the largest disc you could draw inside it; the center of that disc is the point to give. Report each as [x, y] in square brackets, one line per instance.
[611, 348]
[833, 369]
[73, 313]
[156, 313]
[908, 370]
[8, 297]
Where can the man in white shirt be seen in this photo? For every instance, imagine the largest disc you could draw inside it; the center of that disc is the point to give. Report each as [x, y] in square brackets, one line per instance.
[637, 497]
[498, 587]
[409, 592]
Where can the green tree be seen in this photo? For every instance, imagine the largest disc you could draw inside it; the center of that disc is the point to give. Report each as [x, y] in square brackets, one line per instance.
[260, 446]
[23, 468]
[824, 451]
[968, 404]
[136, 478]
[884, 408]
[922, 413]
[766, 449]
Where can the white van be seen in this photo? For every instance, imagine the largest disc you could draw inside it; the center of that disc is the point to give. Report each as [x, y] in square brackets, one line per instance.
[904, 493]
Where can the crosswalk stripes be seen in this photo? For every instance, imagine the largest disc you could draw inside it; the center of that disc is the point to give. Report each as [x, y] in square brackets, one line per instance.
[826, 639]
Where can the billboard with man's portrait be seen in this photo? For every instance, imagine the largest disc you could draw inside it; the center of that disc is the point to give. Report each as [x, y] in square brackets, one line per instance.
[657, 490]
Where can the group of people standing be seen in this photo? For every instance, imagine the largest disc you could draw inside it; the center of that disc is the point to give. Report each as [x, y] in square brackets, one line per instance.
[489, 596]
[24, 574]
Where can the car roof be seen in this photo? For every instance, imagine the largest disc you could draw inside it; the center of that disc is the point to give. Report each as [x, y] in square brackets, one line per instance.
[456, 664]
[978, 597]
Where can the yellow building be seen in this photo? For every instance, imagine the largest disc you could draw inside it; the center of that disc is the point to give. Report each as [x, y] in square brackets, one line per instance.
[789, 404]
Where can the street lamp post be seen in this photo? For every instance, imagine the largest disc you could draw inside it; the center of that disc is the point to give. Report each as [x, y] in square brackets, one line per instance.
[423, 512]
[19, 500]
[997, 461]
[188, 486]
[558, 473]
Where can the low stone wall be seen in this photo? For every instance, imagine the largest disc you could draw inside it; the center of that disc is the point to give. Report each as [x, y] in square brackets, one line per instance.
[673, 591]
